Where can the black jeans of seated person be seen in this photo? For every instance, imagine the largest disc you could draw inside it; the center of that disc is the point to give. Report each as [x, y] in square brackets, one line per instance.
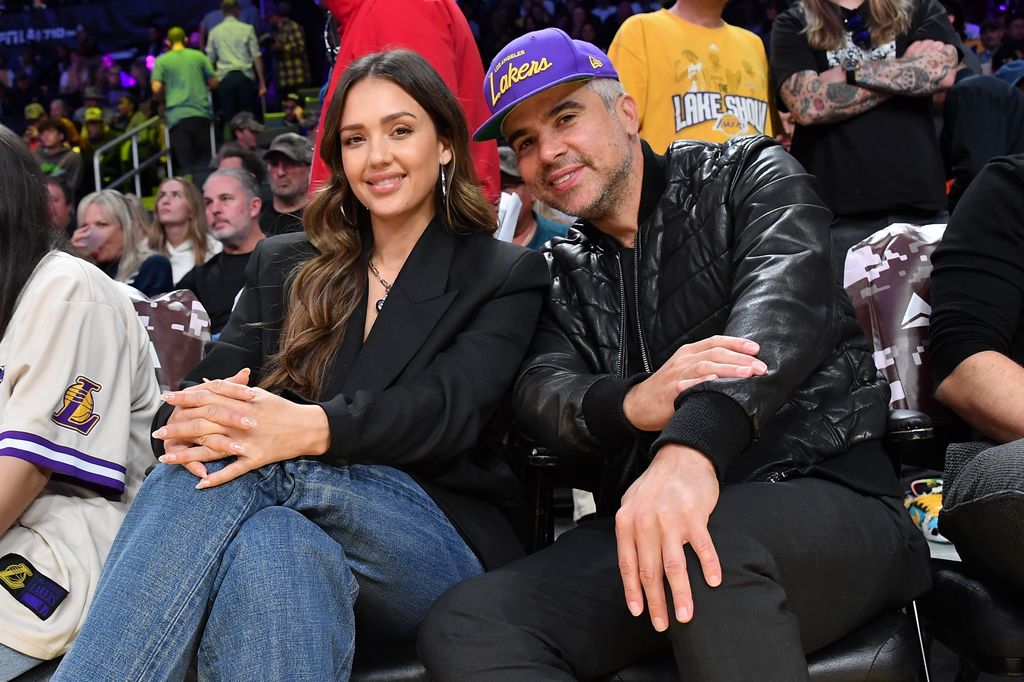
[805, 562]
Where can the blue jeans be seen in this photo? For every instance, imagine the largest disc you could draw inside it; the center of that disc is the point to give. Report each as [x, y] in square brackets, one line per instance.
[14, 663]
[268, 576]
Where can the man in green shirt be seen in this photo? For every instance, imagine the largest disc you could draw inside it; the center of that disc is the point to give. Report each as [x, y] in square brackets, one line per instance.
[183, 77]
[235, 53]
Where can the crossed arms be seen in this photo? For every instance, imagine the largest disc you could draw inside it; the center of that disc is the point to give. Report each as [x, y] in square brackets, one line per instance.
[928, 66]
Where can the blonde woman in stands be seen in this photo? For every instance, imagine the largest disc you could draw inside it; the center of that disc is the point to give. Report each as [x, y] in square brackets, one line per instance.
[179, 230]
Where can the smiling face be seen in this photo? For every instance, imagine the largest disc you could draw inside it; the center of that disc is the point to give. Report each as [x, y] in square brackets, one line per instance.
[574, 154]
[391, 153]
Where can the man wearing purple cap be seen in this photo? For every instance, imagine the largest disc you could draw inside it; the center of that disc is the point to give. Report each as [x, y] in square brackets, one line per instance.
[697, 350]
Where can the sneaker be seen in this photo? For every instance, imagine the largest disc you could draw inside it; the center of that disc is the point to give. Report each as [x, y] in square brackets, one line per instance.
[924, 502]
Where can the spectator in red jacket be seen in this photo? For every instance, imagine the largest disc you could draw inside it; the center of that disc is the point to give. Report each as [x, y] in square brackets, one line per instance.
[438, 31]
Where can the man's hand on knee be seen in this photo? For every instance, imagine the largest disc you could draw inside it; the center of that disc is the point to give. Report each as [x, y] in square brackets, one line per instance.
[666, 508]
[650, 404]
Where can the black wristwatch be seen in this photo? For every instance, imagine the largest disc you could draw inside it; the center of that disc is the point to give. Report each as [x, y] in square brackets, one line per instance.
[850, 65]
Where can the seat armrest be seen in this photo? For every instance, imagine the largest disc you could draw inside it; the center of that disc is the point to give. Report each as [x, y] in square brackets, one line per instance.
[908, 425]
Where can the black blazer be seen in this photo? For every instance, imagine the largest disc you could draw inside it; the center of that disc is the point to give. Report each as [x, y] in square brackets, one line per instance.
[429, 378]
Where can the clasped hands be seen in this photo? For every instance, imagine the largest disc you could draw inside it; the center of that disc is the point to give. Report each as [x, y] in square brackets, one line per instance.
[227, 418]
[669, 505]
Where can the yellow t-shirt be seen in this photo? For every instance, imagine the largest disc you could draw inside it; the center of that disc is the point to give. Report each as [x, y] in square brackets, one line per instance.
[691, 82]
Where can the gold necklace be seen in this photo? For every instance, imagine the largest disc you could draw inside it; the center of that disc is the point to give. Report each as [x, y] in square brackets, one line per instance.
[384, 283]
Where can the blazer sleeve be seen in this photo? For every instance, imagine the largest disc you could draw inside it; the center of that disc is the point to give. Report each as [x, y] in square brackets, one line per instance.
[240, 344]
[440, 414]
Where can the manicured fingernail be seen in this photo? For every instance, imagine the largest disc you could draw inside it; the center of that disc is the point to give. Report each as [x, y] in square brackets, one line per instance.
[659, 624]
[249, 421]
[168, 459]
[760, 366]
[160, 433]
[251, 392]
[751, 346]
[168, 397]
[237, 447]
[635, 608]
[205, 483]
[682, 614]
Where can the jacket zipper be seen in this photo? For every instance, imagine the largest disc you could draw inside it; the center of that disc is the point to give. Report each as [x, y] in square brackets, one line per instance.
[636, 299]
[780, 476]
[621, 370]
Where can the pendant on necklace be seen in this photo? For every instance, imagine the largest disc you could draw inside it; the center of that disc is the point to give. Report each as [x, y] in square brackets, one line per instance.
[380, 304]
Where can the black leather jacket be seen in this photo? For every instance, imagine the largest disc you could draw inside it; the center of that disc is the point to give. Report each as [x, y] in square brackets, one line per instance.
[732, 240]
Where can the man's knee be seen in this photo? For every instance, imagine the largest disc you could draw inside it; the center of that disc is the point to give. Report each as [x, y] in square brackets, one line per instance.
[462, 621]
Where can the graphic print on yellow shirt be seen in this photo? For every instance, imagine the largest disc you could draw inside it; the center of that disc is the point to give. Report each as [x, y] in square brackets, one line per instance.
[692, 82]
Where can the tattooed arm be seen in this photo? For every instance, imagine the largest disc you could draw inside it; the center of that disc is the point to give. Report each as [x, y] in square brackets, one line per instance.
[815, 99]
[923, 70]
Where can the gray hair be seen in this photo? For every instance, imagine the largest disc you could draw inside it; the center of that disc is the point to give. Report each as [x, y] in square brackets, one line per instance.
[117, 208]
[244, 178]
[608, 89]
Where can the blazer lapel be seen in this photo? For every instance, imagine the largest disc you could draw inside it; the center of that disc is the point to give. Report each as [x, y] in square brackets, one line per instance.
[417, 301]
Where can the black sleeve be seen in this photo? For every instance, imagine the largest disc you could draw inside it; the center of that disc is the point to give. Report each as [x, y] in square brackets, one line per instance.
[931, 22]
[784, 296]
[188, 281]
[239, 345]
[154, 276]
[790, 52]
[978, 276]
[966, 145]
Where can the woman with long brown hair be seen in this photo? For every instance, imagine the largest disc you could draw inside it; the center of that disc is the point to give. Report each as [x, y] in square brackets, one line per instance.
[351, 488]
[857, 77]
[178, 230]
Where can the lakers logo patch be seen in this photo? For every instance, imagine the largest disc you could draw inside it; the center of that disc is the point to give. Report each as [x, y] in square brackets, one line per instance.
[76, 410]
[29, 587]
[14, 575]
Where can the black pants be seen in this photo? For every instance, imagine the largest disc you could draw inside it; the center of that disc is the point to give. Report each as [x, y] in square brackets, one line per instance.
[983, 508]
[805, 562]
[190, 142]
[237, 92]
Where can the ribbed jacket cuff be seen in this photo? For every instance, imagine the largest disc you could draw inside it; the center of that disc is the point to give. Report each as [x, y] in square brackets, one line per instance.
[602, 410]
[712, 423]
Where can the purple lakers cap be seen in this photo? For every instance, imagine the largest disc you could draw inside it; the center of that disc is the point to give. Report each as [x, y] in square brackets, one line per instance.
[536, 62]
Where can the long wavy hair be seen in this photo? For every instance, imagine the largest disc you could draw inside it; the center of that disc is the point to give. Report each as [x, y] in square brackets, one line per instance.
[119, 210]
[326, 289]
[196, 233]
[886, 19]
[26, 233]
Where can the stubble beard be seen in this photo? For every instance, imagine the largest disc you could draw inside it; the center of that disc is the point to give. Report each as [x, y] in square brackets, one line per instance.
[609, 196]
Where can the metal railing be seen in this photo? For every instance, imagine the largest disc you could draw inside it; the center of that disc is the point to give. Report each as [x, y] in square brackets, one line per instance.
[137, 166]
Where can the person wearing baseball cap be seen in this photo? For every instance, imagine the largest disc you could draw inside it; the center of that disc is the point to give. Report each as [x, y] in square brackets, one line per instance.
[247, 130]
[34, 113]
[533, 227]
[696, 347]
[288, 162]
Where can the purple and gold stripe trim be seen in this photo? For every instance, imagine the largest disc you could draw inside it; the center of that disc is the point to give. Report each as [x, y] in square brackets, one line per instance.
[62, 459]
